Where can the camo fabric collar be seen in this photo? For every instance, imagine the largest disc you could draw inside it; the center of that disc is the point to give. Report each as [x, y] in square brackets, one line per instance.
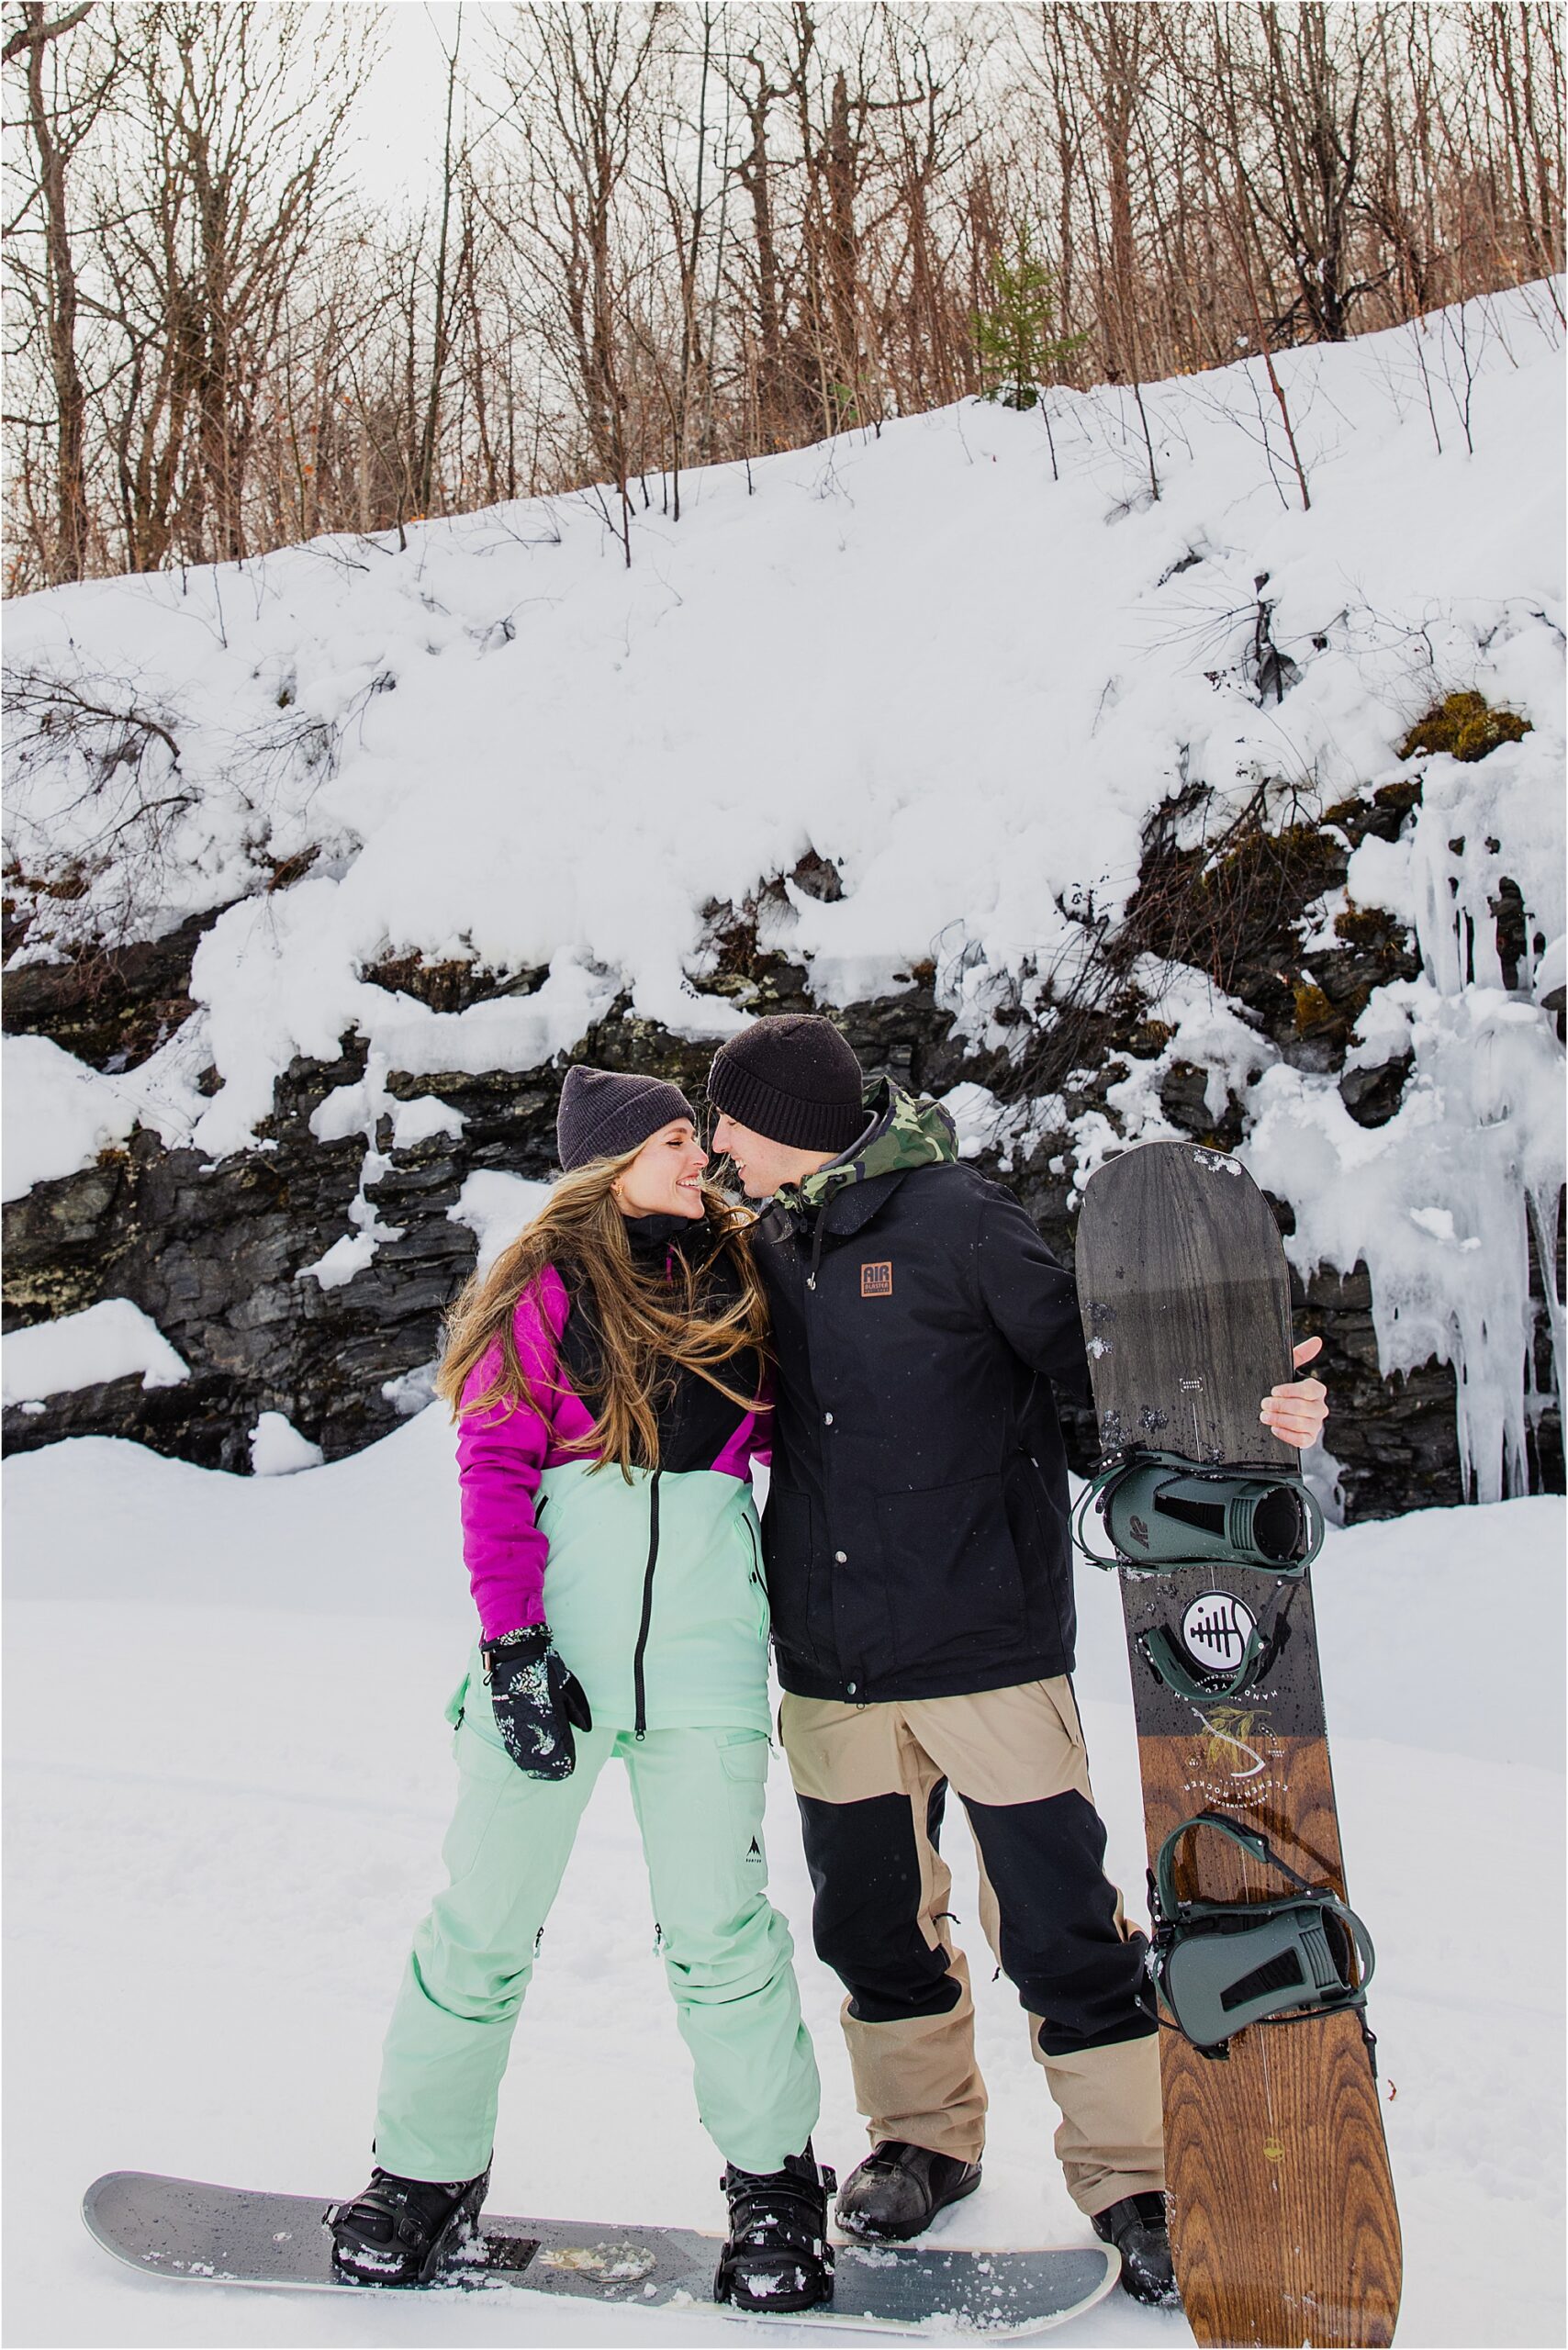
[903, 1133]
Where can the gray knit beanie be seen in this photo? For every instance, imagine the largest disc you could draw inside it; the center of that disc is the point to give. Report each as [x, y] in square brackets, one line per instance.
[792, 1078]
[603, 1114]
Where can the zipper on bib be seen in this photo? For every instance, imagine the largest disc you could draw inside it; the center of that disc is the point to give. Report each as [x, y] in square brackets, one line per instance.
[640, 1722]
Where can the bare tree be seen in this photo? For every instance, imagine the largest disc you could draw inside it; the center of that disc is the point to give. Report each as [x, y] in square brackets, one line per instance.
[577, 78]
[445, 274]
[763, 274]
[213, 193]
[66, 93]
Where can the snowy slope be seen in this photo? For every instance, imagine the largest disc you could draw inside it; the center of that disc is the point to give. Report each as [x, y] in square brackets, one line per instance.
[965, 680]
[229, 1780]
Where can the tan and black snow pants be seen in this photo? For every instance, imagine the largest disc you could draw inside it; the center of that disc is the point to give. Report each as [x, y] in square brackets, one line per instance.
[871, 1782]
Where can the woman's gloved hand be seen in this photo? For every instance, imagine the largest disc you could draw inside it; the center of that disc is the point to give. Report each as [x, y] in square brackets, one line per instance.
[536, 1702]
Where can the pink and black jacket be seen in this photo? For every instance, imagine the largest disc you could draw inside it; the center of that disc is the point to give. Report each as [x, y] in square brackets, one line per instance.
[503, 1452]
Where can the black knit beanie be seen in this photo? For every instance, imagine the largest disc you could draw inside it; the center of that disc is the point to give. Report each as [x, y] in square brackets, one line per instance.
[603, 1114]
[792, 1078]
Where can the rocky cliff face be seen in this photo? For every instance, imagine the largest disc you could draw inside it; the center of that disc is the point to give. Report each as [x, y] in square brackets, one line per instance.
[216, 1253]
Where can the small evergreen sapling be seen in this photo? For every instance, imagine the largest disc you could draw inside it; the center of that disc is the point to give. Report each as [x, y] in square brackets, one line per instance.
[1018, 352]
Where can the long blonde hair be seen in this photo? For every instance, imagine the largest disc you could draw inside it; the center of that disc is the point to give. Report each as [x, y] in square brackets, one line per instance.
[649, 1328]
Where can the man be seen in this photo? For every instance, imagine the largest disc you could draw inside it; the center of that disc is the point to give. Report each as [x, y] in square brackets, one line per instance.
[920, 1573]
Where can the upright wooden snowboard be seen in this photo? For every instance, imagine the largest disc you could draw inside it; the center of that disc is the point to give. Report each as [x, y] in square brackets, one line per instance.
[1282, 2221]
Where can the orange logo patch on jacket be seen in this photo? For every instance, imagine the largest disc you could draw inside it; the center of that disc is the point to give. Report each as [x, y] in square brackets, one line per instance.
[875, 1281]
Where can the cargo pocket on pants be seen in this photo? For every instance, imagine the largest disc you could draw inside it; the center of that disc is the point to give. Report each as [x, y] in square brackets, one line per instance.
[743, 1757]
[1059, 1697]
[1064, 1706]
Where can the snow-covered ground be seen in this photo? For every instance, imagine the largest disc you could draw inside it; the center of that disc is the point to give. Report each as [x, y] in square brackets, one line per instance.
[228, 1777]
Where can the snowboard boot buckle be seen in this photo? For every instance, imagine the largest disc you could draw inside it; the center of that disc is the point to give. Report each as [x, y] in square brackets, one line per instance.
[777, 2256]
[398, 2231]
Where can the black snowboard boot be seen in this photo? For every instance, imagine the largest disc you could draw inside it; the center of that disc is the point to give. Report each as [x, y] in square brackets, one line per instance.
[898, 2190]
[1136, 2227]
[777, 2255]
[399, 2230]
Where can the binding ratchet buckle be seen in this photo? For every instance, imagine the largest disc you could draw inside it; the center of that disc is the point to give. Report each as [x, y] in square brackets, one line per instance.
[1219, 1967]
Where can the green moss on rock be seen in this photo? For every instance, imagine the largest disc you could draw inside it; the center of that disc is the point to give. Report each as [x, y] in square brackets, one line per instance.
[1313, 1012]
[1465, 726]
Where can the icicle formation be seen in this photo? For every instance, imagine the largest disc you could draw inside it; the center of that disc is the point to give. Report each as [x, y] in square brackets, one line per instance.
[1443, 1204]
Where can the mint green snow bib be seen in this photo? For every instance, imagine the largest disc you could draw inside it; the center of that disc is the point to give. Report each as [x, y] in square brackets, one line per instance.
[705, 1652]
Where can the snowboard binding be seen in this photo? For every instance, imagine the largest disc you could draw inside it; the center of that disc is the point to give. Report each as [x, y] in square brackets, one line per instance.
[1162, 1512]
[1219, 1967]
[777, 2256]
[400, 2232]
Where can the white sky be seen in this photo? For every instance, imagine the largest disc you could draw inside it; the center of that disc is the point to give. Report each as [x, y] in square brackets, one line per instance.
[400, 116]
[394, 151]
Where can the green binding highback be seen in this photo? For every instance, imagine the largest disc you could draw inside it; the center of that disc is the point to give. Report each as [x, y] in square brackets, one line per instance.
[1221, 1965]
[1162, 1512]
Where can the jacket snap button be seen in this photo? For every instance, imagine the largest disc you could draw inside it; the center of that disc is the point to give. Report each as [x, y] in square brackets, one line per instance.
[841, 1558]
[827, 1419]
[851, 1687]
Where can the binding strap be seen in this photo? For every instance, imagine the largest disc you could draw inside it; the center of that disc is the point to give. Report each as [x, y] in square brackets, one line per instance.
[1166, 1658]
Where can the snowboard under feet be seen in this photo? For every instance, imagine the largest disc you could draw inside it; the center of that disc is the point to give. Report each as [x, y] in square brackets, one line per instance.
[185, 2231]
[1282, 2223]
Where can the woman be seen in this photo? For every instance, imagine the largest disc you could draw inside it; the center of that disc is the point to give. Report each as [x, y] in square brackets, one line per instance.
[606, 1375]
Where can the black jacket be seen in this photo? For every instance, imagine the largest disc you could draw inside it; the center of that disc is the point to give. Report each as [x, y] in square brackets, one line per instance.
[916, 1529]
